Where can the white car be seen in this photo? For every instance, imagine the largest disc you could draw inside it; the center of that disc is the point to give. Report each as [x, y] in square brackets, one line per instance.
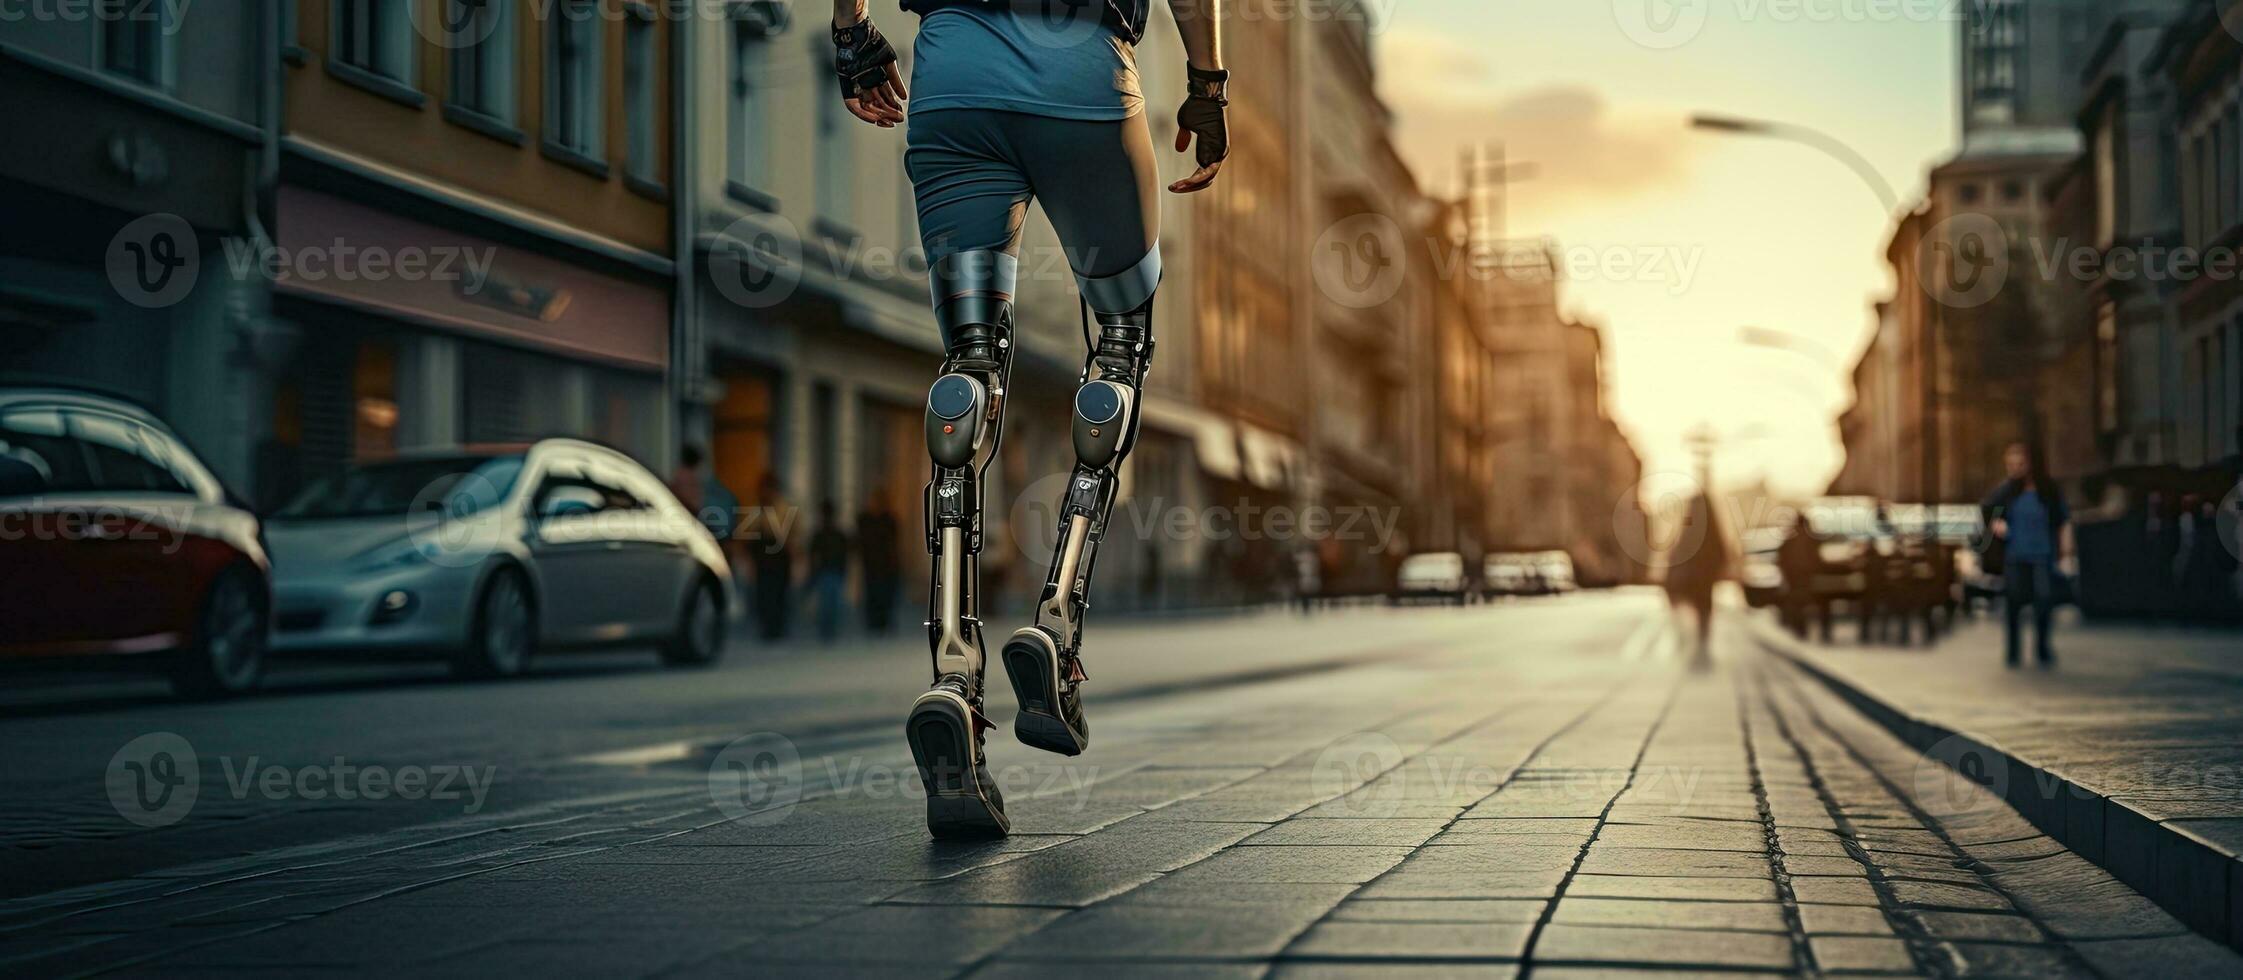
[490, 555]
[1437, 576]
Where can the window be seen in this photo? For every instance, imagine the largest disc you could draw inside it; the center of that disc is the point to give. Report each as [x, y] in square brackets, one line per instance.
[125, 457]
[38, 456]
[376, 37]
[2106, 179]
[2106, 368]
[1969, 193]
[751, 161]
[136, 41]
[482, 43]
[572, 86]
[642, 89]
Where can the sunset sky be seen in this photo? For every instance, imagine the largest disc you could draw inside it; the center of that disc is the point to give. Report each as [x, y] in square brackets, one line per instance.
[1772, 235]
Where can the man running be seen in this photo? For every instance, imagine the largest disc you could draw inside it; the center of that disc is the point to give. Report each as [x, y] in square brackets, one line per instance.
[1013, 101]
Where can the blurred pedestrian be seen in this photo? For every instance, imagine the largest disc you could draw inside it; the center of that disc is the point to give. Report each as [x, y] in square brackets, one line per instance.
[1799, 558]
[695, 484]
[1696, 565]
[2032, 534]
[2206, 566]
[685, 481]
[829, 571]
[880, 556]
[773, 560]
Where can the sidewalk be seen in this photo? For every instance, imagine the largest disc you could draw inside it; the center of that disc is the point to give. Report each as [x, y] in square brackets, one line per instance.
[2130, 751]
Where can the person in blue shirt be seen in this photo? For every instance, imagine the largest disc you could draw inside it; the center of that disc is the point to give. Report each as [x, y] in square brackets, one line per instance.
[2032, 533]
[1013, 102]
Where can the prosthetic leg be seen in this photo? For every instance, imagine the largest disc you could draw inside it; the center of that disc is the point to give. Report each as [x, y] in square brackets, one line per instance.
[965, 427]
[1044, 660]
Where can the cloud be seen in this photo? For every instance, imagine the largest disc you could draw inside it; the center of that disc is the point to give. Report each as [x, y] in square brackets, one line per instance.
[1445, 96]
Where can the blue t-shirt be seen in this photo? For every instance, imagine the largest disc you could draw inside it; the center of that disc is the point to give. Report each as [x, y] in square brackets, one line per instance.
[2030, 536]
[1062, 66]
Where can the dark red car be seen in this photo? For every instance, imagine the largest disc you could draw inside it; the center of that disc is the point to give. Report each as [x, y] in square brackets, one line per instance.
[115, 541]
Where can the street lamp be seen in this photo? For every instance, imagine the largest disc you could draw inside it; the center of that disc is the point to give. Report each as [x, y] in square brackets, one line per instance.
[1791, 133]
[1837, 149]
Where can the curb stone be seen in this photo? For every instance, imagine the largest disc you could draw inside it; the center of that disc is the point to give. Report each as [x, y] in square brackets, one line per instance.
[2198, 881]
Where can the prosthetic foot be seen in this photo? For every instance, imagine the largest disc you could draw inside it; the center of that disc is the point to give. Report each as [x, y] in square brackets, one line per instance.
[945, 731]
[965, 429]
[1044, 660]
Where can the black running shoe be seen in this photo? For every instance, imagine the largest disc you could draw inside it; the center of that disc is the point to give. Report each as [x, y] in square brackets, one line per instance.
[1048, 686]
[945, 732]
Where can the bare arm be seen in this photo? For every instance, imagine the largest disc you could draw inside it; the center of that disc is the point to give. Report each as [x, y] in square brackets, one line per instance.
[846, 13]
[1197, 21]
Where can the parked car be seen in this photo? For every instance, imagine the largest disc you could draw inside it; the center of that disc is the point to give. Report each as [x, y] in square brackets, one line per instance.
[1555, 569]
[1437, 576]
[116, 541]
[1762, 574]
[491, 555]
[1510, 574]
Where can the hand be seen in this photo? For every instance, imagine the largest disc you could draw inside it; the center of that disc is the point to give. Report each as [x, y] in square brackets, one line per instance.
[871, 82]
[1205, 115]
[2001, 528]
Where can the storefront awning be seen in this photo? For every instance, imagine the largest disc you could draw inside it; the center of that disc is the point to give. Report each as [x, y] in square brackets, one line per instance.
[1214, 439]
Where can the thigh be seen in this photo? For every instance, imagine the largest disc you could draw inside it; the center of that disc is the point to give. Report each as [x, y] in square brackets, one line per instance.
[1098, 184]
[967, 181]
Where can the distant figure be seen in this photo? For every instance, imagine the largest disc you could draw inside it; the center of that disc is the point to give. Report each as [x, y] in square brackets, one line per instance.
[829, 571]
[709, 500]
[1698, 562]
[773, 560]
[685, 481]
[2206, 566]
[879, 543]
[2032, 534]
[1799, 558]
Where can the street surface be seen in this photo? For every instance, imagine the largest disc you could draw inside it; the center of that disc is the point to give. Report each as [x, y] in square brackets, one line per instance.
[1539, 788]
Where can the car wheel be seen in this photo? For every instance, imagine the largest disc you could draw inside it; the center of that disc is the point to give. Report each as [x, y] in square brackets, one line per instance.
[699, 640]
[505, 634]
[227, 657]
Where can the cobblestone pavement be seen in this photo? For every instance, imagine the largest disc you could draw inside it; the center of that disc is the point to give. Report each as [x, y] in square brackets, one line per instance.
[1545, 791]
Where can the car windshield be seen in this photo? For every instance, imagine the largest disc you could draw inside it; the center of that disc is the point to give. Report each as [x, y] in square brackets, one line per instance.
[459, 485]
